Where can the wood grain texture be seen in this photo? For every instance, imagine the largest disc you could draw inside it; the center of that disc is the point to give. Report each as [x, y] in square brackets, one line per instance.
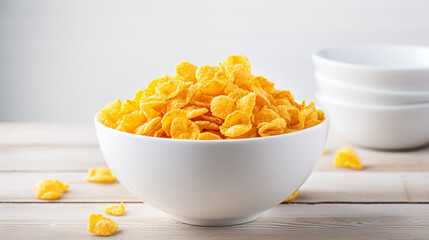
[321, 187]
[41, 134]
[79, 191]
[72, 158]
[62, 147]
[389, 199]
[81, 158]
[48, 158]
[287, 221]
[375, 160]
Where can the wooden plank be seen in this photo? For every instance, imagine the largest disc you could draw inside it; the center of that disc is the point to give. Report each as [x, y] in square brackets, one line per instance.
[375, 160]
[20, 143]
[416, 188]
[287, 221]
[362, 187]
[80, 190]
[50, 158]
[321, 187]
[53, 134]
[72, 158]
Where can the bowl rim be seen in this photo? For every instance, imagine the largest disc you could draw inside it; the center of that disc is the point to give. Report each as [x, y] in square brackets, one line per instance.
[320, 96]
[317, 56]
[321, 77]
[324, 123]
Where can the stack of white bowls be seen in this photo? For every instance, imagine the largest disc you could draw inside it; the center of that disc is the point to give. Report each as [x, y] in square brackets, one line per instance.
[377, 95]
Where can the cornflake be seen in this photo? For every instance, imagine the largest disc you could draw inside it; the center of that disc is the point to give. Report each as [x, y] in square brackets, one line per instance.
[211, 103]
[102, 174]
[101, 226]
[50, 189]
[291, 197]
[116, 210]
[347, 158]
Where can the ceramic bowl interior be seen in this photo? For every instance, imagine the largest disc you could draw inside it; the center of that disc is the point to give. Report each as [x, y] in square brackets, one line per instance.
[384, 67]
[379, 56]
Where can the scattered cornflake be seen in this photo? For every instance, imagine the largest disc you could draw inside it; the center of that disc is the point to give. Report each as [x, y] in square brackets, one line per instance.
[101, 226]
[50, 189]
[347, 158]
[291, 197]
[102, 174]
[116, 210]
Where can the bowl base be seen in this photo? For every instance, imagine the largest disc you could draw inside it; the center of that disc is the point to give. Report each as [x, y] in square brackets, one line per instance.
[216, 222]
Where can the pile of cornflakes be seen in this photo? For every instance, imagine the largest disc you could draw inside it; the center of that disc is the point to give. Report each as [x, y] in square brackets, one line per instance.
[211, 103]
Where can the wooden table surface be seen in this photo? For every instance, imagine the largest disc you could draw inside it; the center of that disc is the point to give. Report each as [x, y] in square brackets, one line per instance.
[389, 199]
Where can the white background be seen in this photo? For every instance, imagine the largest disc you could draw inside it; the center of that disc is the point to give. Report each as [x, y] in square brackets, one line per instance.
[61, 61]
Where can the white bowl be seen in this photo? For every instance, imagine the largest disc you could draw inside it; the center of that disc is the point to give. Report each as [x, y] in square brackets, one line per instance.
[392, 67]
[213, 182]
[355, 94]
[379, 126]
